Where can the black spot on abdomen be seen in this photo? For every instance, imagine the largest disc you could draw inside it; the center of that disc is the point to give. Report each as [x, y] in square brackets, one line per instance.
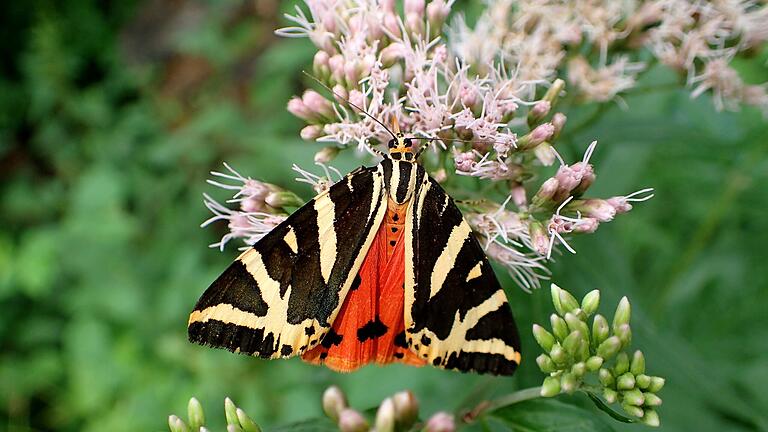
[371, 330]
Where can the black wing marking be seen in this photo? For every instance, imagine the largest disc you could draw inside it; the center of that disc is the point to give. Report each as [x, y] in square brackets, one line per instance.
[456, 313]
[280, 297]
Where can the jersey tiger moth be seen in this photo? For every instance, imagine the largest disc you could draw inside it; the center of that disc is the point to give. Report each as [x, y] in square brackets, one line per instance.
[379, 268]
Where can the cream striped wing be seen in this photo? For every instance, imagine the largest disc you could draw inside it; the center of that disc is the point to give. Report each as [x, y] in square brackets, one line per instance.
[280, 297]
[456, 313]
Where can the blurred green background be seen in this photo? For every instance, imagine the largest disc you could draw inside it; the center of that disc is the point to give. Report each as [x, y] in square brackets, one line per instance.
[113, 113]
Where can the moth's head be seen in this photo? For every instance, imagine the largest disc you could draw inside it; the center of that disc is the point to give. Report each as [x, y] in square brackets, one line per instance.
[400, 147]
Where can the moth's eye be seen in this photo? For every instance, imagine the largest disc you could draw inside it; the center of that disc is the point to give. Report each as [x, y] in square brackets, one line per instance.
[408, 142]
[396, 156]
[408, 156]
[392, 143]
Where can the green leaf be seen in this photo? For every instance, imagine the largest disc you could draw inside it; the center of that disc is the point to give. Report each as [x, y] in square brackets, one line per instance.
[547, 415]
[608, 410]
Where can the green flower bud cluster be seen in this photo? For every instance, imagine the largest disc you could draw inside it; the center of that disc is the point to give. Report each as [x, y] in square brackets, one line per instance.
[237, 419]
[578, 356]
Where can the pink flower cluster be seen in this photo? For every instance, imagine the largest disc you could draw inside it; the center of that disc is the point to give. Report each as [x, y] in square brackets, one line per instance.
[495, 115]
[606, 42]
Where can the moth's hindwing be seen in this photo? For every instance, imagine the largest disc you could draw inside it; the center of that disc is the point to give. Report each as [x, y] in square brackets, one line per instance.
[279, 298]
[456, 313]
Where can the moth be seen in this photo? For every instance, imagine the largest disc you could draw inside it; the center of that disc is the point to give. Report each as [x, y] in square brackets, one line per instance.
[379, 268]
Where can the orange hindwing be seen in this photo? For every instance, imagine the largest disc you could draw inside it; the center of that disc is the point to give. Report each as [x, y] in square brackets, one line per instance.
[370, 325]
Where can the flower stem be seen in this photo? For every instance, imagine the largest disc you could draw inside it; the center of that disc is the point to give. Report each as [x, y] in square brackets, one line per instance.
[516, 397]
[506, 400]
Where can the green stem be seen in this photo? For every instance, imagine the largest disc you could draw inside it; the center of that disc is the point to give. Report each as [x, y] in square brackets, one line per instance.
[506, 400]
[516, 397]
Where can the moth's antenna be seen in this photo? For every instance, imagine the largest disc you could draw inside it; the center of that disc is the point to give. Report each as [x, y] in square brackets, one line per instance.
[350, 103]
[428, 138]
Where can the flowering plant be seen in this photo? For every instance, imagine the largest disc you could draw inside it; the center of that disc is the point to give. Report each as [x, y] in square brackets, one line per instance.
[490, 102]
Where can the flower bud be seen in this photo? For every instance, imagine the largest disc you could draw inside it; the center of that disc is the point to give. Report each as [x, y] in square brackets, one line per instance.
[297, 108]
[555, 292]
[606, 378]
[546, 364]
[246, 423]
[558, 355]
[575, 324]
[625, 335]
[539, 238]
[651, 399]
[414, 6]
[609, 347]
[545, 154]
[311, 132]
[633, 397]
[538, 112]
[352, 421]
[594, 208]
[643, 381]
[195, 414]
[230, 411]
[283, 199]
[637, 366]
[550, 387]
[391, 23]
[334, 402]
[519, 196]
[651, 418]
[320, 64]
[579, 369]
[600, 330]
[406, 408]
[622, 314]
[594, 363]
[590, 302]
[176, 424]
[559, 327]
[632, 410]
[385, 416]
[392, 54]
[543, 337]
[414, 23]
[568, 382]
[440, 422]
[568, 301]
[558, 121]
[342, 92]
[553, 93]
[326, 155]
[622, 364]
[316, 103]
[610, 396]
[537, 136]
[625, 381]
[545, 192]
[656, 384]
[437, 13]
[572, 342]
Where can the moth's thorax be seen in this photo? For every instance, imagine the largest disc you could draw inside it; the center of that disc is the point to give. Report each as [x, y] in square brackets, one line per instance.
[399, 179]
